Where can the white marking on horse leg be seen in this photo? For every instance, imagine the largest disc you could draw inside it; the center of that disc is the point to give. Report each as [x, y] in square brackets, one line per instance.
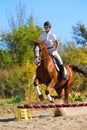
[49, 97]
[37, 90]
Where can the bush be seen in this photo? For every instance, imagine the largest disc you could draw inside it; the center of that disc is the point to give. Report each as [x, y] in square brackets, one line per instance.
[14, 81]
[76, 97]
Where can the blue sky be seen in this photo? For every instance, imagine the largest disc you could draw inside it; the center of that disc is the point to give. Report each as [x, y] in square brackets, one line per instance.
[63, 14]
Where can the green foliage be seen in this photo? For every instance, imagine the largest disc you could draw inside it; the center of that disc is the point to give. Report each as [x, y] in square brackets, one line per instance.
[80, 83]
[20, 43]
[17, 67]
[5, 59]
[14, 81]
[76, 97]
[9, 83]
[73, 54]
[80, 34]
[16, 99]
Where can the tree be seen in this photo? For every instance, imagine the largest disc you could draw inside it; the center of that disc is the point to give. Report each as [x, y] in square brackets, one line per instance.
[20, 43]
[31, 21]
[5, 59]
[20, 39]
[19, 19]
[80, 34]
[73, 54]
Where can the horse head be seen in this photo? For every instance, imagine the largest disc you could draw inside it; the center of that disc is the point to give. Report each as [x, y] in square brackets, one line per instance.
[40, 51]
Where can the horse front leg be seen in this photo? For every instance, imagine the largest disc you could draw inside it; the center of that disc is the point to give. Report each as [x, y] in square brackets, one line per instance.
[49, 88]
[36, 83]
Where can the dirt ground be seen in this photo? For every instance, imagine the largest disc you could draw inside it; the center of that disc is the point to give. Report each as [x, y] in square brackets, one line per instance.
[44, 119]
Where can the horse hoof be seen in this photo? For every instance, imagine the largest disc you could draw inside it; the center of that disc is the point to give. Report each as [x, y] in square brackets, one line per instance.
[41, 97]
[52, 101]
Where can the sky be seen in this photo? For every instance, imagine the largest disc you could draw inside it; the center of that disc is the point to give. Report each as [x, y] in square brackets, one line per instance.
[63, 14]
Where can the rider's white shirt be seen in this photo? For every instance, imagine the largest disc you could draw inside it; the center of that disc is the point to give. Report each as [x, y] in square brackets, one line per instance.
[49, 39]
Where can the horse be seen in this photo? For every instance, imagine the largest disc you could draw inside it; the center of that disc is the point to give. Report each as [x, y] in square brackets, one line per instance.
[47, 73]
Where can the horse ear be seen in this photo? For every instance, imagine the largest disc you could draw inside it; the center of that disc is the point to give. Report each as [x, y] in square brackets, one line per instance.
[37, 42]
[34, 42]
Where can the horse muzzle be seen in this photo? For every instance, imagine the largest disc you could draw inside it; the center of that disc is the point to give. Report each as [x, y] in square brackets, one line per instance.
[37, 61]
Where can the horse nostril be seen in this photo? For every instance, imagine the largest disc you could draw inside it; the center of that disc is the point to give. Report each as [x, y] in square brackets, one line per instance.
[38, 63]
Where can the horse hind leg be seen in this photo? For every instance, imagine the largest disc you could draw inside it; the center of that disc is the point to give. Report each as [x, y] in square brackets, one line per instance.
[36, 83]
[68, 90]
[63, 94]
[60, 111]
[60, 93]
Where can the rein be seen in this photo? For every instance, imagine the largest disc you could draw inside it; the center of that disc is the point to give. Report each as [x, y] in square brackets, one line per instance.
[44, 58]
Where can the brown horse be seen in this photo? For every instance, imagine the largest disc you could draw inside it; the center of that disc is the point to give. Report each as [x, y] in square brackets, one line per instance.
[46, 73]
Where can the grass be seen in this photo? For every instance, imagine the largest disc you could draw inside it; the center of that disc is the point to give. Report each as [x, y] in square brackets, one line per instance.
[76, 97]
[16, 99]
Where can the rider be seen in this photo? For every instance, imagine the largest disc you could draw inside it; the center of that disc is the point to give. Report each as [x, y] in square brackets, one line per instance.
[49, 39]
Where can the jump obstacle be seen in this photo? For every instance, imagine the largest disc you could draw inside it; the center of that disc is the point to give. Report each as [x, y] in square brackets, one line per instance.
[24, 108]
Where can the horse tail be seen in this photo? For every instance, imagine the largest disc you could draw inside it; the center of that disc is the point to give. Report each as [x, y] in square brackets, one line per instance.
[79, 69]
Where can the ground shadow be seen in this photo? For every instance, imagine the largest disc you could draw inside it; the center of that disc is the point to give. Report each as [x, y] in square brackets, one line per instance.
[7, 120]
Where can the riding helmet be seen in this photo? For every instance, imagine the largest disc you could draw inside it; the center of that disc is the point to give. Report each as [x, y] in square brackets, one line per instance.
[47, 24]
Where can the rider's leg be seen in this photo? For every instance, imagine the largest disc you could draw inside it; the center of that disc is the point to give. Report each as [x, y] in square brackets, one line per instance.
[60, 64]
[63, 72]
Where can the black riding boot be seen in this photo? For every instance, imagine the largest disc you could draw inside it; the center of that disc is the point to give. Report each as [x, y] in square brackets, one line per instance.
[63, 73]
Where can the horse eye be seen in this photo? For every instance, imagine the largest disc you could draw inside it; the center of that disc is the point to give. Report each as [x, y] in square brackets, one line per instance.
[40, 50]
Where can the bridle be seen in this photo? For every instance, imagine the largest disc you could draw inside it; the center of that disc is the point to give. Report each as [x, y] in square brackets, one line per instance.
[37, 51]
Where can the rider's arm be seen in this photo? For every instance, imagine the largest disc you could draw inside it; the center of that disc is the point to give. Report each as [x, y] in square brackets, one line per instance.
[56, 45]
